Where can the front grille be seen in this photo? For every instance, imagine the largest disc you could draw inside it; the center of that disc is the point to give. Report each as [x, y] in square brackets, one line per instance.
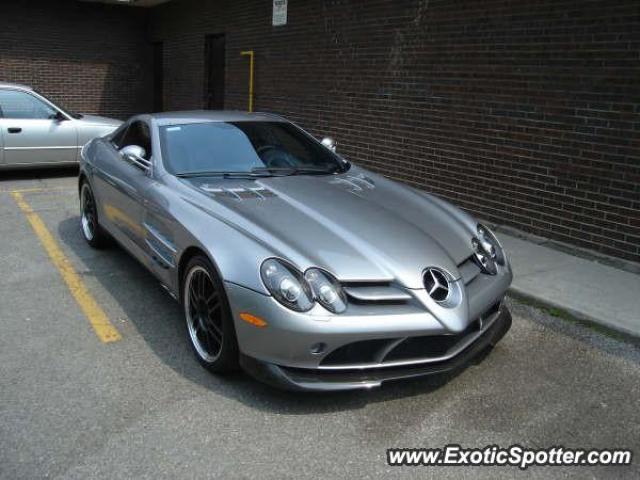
[491, 310]
[381, 351]
[378, 293]
[365, 351]
[469, 270]
[427, 346]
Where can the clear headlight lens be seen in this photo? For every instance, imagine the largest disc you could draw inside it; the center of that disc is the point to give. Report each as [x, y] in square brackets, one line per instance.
[488, 238]
[287, 285]
[299, 292]
[326, 290]
[488, 251]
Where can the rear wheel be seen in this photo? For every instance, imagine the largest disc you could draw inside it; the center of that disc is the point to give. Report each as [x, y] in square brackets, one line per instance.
[91, 230]
[208, 316]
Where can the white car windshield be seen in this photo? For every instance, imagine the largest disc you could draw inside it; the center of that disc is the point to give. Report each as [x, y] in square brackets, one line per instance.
[245, 147]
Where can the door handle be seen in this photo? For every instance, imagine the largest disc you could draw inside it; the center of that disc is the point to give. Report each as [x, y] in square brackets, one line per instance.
[14, 129]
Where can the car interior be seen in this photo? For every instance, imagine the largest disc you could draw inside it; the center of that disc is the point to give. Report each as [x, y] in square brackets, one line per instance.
[137, 133]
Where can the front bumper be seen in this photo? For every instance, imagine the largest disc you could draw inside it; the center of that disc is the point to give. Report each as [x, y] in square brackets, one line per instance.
[291, 338]
[317, 379]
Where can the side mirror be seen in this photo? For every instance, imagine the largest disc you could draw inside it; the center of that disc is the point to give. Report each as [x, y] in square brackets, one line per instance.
[58, 116]
[330, 143]
[135, 155]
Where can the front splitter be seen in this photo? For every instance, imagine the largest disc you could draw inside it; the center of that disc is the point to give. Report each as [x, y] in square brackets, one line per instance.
[304, 379]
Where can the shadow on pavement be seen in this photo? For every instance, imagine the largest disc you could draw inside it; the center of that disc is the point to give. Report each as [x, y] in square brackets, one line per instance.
[39, 173]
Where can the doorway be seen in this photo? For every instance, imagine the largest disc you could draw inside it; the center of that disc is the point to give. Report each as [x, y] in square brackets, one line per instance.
[158, 77]
[214, 71]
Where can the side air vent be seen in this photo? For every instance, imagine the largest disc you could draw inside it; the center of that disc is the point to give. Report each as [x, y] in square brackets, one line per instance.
[239, 193]
[355, 183]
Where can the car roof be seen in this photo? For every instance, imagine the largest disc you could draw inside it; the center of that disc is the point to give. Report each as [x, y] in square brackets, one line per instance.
[14, 85]
[199, 116]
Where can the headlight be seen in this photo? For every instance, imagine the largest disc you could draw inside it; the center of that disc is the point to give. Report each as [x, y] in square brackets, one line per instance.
[287, 285]
[488, 251]
[491, 243]
[326, 290]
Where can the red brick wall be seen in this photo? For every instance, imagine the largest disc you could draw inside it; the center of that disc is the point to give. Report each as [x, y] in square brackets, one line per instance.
[524, 113]
[91, 57]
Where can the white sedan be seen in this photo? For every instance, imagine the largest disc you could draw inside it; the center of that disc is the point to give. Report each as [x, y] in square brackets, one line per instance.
[34, 132]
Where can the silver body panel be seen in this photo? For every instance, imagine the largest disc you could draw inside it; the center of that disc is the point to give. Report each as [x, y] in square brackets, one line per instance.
[374, 235]
[37, 142]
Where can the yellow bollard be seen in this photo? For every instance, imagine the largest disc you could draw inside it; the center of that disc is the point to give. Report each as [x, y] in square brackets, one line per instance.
[250, 53]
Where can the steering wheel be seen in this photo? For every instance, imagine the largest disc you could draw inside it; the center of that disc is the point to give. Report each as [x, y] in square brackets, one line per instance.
[274, 156]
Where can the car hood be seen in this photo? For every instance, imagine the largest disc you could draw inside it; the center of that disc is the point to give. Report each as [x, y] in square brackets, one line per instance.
[358, 226]
[97, 120]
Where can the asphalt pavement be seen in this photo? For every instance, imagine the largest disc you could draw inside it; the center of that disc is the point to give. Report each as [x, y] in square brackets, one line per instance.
[74, 407]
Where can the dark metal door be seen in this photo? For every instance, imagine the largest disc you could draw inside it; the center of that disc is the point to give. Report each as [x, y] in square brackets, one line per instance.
[214, 71]
[158, 77]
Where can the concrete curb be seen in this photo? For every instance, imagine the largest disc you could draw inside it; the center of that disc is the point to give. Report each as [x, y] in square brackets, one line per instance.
[574, 316]
[602, 296]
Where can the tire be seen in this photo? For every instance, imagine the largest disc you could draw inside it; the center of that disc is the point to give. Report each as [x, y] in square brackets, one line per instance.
[92, 232]
[208, 318]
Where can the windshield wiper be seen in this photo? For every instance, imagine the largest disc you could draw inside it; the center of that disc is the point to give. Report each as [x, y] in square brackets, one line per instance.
[223, 174]
[261, 172]
[286, 171]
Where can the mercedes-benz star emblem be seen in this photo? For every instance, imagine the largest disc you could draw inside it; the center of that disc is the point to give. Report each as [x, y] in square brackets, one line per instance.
[437, 285]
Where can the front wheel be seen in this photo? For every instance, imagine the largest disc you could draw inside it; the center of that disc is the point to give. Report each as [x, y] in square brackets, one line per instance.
[95, 236]
[208, 316]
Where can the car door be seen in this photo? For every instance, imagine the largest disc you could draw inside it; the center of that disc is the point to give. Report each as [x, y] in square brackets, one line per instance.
[1, 145]
[35, 132]
[120, 186]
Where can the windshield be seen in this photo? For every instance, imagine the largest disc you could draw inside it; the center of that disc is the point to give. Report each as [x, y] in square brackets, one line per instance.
[243, 147]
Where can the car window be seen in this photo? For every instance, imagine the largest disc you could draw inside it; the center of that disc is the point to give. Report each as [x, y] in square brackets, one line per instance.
[241, 147]
[118, 136]
[136, 134]
[63, 109]
[22, 105]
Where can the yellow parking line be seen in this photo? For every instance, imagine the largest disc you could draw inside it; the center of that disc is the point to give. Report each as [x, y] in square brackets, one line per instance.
[105, 331]
[39, 190]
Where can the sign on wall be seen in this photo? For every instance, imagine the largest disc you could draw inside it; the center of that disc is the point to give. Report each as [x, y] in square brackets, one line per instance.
[279, 13]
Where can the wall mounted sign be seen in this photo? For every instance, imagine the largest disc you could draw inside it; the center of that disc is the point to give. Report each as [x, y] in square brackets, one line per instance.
[279, 13]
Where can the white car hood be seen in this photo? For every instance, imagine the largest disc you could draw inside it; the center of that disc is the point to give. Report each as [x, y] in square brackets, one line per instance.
[98, 120]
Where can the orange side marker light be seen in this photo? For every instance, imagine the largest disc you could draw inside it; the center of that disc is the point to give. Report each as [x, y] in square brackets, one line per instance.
[253, 320]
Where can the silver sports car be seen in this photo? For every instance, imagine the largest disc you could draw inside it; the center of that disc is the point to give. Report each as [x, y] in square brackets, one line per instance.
[309, 272]
[34, 132]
